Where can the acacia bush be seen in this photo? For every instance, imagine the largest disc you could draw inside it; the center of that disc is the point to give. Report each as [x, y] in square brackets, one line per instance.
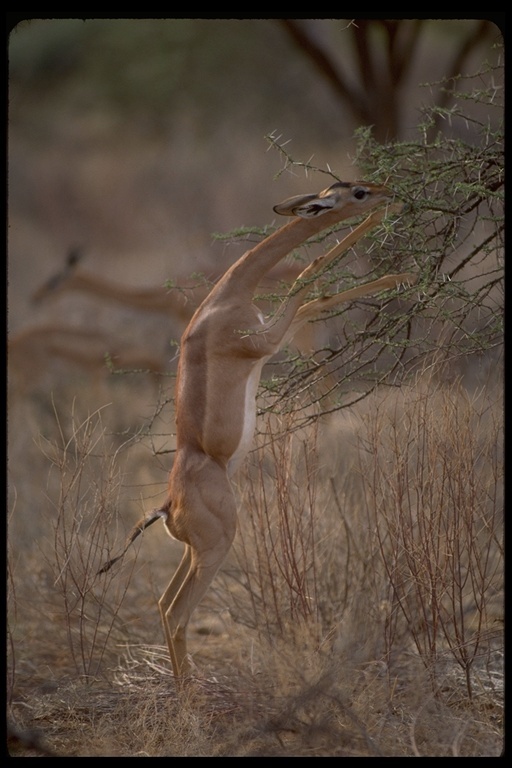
[359, 612]
[450, 234]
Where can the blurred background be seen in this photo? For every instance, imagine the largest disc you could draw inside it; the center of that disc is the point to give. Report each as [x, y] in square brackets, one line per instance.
[137, 139]
[133, 144]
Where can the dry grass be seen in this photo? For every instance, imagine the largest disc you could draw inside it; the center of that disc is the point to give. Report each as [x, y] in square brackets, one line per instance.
[359, 611]
[356, 616]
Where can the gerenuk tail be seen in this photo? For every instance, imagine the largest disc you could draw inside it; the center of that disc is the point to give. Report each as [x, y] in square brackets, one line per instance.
[137, 529]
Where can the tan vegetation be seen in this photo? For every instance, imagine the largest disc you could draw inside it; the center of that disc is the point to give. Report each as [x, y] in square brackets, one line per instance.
[360, 612]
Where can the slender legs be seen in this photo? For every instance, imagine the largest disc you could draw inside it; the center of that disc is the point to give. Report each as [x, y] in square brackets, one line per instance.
[205, 518]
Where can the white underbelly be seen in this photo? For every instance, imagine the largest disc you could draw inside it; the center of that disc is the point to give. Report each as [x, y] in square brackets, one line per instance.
[249, 418]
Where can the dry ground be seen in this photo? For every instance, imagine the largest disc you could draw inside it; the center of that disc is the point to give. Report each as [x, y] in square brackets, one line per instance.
[315, 640]
[360, 612]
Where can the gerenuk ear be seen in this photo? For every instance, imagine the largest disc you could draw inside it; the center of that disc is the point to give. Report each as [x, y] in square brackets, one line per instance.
[302, 205]
[336, 197]
[309, 206]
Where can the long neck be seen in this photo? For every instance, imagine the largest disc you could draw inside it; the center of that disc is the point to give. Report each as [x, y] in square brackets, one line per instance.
[248, 271]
